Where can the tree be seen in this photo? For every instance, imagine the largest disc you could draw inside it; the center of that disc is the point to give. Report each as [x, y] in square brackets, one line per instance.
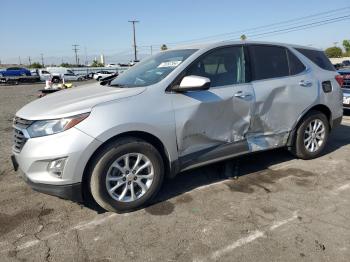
[334, 52]
[243, 37]
[346, 44]
[163, 47]
[66, 65]
[36, 65]
[95, 63]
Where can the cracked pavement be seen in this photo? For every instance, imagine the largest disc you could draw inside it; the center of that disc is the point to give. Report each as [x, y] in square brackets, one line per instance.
[274, 208]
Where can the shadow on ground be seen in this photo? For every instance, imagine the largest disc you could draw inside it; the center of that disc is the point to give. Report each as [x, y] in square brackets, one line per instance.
[242, 166]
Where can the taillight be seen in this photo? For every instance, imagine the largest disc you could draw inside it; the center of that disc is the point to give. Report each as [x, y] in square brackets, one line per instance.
[340, 80]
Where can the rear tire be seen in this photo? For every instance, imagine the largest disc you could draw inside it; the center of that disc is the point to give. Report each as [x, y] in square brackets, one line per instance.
[116, 167]
[311, 136]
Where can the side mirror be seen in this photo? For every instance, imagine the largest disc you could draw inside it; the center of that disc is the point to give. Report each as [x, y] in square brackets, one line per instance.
[193, 83]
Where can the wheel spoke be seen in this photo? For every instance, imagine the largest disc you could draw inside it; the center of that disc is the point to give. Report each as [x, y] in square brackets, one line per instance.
[143, 167]
[137, 162]
[307, 139]
[132, 190]
[126, 162]
[116, 187]
[125, 190]
[115, 178]
[142, 185]
[148, 176]
[117, 166]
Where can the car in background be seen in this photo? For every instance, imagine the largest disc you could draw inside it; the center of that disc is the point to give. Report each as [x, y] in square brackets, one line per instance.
[345, 84]
[15, 71]
[71, 76]
[338, 66]
[100, 75]
[346, 63]
[43, 74]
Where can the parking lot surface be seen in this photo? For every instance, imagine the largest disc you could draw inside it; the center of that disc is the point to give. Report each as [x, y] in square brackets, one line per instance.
[275, 208]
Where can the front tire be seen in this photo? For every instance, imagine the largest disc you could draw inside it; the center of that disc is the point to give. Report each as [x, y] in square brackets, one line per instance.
[312, 136]
[126, 175]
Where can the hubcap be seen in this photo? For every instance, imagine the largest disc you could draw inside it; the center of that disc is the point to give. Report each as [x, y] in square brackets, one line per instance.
[314, 135]
[129, 177]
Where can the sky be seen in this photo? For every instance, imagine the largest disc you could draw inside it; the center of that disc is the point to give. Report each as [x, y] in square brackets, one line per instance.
[29, 28]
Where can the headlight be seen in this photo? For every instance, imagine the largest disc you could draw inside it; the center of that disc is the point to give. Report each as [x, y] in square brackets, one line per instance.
[54, 126]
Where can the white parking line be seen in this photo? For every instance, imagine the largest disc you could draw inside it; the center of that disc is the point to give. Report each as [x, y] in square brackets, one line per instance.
[341, 188]
[250, 238]
[240, 242]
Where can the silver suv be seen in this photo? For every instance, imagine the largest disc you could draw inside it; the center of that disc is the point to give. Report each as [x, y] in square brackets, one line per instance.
[176, 110]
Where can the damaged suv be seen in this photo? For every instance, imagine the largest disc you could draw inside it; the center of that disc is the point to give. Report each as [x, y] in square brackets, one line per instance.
[174, 111]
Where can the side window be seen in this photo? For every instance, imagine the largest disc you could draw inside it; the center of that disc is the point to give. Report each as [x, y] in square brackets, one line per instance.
[318, 57]
[224, 66]
[268, 61]
[295, 65]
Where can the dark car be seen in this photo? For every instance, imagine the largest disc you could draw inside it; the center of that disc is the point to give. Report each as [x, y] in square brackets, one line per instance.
[346, 63]
[15, 71]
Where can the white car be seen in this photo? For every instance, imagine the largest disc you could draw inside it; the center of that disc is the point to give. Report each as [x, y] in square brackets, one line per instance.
[102, 74]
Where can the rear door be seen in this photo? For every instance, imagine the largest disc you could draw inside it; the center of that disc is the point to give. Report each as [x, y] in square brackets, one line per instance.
[220, 115]
[283, 88]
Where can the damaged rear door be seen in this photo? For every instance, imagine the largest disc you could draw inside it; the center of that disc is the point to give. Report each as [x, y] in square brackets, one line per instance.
[208, 120]
[283, 89]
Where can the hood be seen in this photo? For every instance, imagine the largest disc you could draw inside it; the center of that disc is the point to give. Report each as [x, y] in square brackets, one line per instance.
[74, 101]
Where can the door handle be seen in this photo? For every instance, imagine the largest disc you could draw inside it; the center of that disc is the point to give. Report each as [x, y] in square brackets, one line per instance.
[241, 95]
[305, 83]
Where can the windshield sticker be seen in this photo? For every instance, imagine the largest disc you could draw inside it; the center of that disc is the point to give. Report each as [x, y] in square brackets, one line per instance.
[170, 64]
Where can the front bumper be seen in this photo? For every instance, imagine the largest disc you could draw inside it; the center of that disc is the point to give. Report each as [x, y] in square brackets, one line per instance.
[71, 192]
[33, 160]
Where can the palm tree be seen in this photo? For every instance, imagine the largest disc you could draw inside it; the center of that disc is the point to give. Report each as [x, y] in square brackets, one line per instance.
[163, 47]
[243, 37]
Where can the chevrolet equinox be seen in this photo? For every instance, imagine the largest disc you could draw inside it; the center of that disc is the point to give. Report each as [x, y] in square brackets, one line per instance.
[174, 111]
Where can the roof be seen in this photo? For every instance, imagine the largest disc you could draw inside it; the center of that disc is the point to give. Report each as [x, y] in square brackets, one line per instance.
[223, 43]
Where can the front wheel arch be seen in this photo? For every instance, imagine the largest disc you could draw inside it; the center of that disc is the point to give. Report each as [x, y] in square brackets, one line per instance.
[170, 168]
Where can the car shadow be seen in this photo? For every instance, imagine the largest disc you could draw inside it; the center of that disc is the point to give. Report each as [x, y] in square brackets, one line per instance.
[244, 165]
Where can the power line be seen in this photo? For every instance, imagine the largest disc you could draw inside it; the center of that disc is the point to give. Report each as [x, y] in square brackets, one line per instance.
[75, 49]
[277, 24]
[133, 27]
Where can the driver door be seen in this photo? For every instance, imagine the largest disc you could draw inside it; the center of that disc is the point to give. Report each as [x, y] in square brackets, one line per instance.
[208, 120]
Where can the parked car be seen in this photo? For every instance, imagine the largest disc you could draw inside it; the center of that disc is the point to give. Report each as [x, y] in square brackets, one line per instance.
[174, 111]
[346, 63]
[345, 73]
[42, 74]
[346, 99]
[58, 73]
[100, 75]
[338, 66]
[15, 71]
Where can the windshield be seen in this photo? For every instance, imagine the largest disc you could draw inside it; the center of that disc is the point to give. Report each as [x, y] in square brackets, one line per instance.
[153, 69]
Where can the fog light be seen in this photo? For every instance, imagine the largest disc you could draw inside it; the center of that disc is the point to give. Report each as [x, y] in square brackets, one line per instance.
[56, 166]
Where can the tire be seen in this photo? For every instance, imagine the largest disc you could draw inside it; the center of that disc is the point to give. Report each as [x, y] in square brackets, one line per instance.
[102, 171]
[302, 146]
[55, 80]
[98, 78]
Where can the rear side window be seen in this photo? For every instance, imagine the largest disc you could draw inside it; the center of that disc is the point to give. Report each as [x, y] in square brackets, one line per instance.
[268, 61]
[295, 66]
[318, 57]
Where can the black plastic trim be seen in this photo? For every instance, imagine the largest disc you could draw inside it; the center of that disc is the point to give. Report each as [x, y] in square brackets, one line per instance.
[71, 192]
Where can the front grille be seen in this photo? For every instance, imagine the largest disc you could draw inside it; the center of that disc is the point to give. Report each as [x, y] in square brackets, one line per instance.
[19, 139]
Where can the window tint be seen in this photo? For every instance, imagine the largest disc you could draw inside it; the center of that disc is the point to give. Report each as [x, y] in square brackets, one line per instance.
[318, 57]
[295, 65]
[268, 61]
[224, 66]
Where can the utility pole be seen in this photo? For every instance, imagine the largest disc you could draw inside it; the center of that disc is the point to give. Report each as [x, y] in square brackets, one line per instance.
[30, 61]
[151, 50]
[42, 59]
[19, 60]
[75, 49]
[133, 27]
